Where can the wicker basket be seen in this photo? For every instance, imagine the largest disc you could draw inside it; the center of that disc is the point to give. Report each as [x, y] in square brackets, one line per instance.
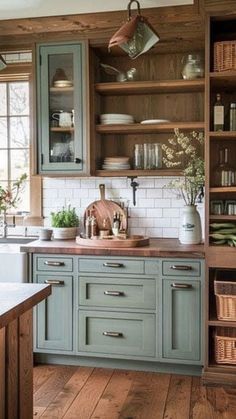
[225, 56]
[225, 300]
[225, 346]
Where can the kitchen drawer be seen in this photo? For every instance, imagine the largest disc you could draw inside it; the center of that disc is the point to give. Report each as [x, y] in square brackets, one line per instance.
[107, 265]
[117, 292]
[54, 263]
[117, 333]
[181, 268]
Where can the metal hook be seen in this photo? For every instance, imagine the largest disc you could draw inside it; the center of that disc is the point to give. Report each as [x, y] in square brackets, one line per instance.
[133, 185]
[129, 8]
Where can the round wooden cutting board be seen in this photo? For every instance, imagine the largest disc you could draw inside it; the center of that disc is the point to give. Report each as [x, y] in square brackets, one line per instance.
[104, 209]
[132, 241]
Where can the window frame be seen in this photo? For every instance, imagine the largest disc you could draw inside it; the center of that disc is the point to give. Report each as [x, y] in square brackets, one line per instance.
[23, 72]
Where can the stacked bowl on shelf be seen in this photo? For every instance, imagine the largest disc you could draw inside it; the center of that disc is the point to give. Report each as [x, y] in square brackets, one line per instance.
[116, 118]
[116, 163]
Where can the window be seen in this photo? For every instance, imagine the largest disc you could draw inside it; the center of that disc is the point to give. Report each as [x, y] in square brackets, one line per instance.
[17, 132]
[15, 136]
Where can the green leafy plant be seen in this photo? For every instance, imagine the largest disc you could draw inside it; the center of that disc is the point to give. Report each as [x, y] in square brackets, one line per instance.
[66, 217]
[186, 151]
[9, 198]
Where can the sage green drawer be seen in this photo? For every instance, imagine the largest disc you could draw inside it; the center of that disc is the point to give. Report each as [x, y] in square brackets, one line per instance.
[107, 265]
[117, 333]
[117, 292]
[181, 268]
[54, 263]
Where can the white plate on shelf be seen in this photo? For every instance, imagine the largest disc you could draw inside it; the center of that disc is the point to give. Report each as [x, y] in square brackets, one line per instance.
[155, 121]
[117, 122]
[116, 116]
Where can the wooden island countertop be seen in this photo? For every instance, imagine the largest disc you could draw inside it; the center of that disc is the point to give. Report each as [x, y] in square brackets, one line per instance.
[156, 248]
[16, 347]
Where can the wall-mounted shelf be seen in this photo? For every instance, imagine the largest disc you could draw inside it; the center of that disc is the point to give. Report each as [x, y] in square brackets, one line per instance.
[148, 128]
[222, 217]
[159, 172]
[222, 135]
[223, 80]
[150, 87]
[223, 189]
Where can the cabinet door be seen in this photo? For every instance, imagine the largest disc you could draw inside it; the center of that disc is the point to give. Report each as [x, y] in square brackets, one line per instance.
[181, 337]
[61, 83]
[54, 315]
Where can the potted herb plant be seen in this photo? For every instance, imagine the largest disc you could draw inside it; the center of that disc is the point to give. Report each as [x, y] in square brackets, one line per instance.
[186, 151]
[65, 223]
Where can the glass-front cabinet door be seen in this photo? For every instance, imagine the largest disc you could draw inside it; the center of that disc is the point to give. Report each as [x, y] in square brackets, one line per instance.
[61, 94]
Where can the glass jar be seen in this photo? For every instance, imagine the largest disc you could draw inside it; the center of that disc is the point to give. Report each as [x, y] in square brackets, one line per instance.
[193, 67]
[138, 156]
[225, 174]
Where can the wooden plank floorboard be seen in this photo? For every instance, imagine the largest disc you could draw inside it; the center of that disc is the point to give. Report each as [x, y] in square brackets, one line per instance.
[147, 396]
[88, 398]
[41, 374]
[114, 395]
[178, 399]
[72, 392]
[49, 390]
[62, 402]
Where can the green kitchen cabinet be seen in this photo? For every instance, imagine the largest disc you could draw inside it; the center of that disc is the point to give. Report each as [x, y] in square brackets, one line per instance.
[54, 315]
[181, 314]
[61, 108]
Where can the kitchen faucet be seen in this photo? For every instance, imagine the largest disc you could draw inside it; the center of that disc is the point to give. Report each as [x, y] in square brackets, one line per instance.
[5, 225]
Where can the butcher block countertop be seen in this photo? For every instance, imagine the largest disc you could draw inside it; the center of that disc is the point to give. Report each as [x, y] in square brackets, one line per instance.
[156, 248]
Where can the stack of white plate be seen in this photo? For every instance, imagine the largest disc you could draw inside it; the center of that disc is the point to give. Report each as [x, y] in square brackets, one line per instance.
[116, 163]
[116, 118]
[62, 83]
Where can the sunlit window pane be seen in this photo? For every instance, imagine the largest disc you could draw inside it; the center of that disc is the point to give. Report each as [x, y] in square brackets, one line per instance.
[19, 98]
[3, 165]
[23, 201]
[3, 99]
[19, 132]
[19, 163]
[3, 132]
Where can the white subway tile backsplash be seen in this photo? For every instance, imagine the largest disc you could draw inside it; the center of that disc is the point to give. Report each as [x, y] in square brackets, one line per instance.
[156, 214]
[154, 193]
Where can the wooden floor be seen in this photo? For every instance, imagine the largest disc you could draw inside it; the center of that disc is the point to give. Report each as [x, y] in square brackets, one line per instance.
[83, 392]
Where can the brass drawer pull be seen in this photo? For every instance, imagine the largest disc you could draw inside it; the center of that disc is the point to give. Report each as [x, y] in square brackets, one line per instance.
[181, 267]
[113, 334]
[115, 293]
[182, 286]
[53, 263]
[113, 265]
[54, 282]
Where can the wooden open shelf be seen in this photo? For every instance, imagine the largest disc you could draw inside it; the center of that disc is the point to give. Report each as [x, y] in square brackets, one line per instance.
[150, 87]
[222, 135]
[223, 189]
[221, 323]
[223, 79]
[222, 217]
[148, 128]
[159, 172]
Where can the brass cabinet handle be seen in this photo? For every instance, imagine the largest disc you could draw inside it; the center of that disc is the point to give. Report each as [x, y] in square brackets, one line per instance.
[113, 334]
[54, 282]
[182, 286]
[53, 263]
[181, 267]
[115, 293]
[113, 265]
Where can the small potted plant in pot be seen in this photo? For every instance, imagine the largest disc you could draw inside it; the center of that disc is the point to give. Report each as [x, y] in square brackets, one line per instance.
[65, 223]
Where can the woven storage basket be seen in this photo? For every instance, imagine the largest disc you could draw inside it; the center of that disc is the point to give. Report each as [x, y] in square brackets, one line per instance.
[225, 300]
[225, 56]
[225, 346]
